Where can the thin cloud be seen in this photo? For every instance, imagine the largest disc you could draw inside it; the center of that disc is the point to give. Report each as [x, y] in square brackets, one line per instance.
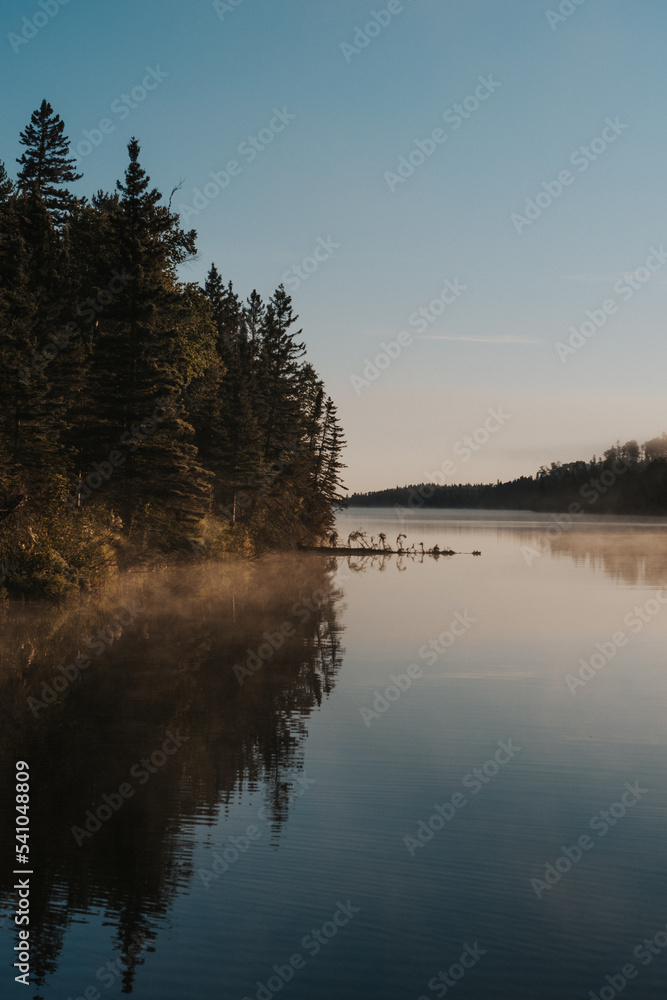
[607, 279]
[592, 277]
[480, 340]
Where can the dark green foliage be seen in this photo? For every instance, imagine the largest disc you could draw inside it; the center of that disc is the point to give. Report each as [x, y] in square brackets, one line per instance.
[141, 414]
[6, 185]
[46, 165]
[264, 423]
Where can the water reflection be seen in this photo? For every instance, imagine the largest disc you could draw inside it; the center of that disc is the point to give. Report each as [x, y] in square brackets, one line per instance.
[210, 677]
[203, 696]
[631, 551]
[399, 561]
[637, 558]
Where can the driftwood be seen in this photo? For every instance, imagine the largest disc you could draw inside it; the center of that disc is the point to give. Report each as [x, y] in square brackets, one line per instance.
[333, 548]
[366, 551]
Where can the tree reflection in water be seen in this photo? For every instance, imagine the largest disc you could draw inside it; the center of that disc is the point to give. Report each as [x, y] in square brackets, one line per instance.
[171, 670]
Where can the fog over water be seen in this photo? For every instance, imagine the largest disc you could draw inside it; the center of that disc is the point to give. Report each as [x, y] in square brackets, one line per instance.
[319, 709]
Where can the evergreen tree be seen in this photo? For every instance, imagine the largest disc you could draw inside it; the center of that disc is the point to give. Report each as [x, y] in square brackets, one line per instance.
[105, 352]
[280, 375]
[29, 439]
[46, 166]
[228, 430]
[214, 290]
[151, 341]
[6, 185]
[328, 477]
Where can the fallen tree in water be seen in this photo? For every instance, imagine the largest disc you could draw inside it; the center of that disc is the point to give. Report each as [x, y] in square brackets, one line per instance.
[368, 548]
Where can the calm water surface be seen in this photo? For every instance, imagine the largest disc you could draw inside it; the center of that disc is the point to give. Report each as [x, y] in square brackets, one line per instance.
[283, 733]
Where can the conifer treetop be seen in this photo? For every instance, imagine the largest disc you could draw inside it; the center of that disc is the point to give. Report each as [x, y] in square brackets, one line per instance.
[46, 166]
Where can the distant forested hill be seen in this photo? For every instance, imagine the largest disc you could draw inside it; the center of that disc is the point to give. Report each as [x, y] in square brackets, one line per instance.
[628, 479]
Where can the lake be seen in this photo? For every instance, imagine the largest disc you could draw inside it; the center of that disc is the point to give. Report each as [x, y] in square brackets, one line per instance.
[374, 778]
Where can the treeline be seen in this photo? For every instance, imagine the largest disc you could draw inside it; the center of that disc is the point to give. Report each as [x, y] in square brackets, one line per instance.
[627, 479]
[140, 413]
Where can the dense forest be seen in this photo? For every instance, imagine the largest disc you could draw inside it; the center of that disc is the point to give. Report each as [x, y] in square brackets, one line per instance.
[628, 479]
[142, 416]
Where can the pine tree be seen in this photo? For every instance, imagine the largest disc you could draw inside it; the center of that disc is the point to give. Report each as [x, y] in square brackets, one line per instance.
[329, 486]
[30, 299]
[255, 313]
[214, 290]
[46, 166]
[6, 185]
[29, 443]
[104, 350]
[279, 375]
[151, 342]
[229, 434]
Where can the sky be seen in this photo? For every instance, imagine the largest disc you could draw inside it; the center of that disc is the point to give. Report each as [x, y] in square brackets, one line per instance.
[452, 188]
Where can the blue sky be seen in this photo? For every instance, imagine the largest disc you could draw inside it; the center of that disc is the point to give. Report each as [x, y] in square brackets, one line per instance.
[329, 177]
